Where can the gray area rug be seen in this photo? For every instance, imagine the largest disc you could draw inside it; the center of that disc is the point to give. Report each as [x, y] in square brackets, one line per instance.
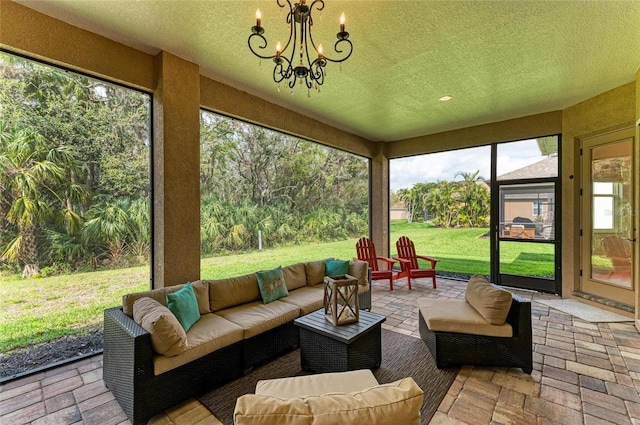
[584, 311]
[402, 356]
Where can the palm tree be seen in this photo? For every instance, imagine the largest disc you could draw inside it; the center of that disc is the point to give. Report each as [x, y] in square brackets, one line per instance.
[139, 224]
[38, 181]
[442, 201]
[475, 206]
[406, 196]
[108, 227]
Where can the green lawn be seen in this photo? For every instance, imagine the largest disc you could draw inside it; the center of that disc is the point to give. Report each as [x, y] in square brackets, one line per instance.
[38, 310]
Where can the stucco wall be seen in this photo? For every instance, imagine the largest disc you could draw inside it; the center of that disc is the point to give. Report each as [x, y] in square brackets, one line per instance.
[504, 131]
[219, 97]
[25, 31]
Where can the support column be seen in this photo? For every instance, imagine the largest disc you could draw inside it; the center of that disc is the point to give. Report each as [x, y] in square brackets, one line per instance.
[379, 202]
[176, 173]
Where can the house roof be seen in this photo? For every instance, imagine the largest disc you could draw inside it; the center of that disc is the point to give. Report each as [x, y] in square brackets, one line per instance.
[499, 59]
[548, 167]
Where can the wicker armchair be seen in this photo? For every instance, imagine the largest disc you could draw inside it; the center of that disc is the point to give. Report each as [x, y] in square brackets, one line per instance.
[450, 348]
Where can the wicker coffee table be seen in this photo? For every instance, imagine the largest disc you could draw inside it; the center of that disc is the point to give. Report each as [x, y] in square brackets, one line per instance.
[328, 348]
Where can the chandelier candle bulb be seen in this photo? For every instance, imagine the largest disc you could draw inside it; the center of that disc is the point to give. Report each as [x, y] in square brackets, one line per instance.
[278, 49]
[258, 18]
[342, 22]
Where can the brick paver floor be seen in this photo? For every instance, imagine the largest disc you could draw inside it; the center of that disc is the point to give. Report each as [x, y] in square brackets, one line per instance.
[584, 373]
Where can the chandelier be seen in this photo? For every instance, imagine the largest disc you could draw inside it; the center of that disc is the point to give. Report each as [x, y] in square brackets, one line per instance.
[300, 60]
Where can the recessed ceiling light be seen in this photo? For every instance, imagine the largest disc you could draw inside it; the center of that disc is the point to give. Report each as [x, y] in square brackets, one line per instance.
[445, 98]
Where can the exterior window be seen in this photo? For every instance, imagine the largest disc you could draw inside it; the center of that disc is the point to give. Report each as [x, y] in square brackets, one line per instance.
[538, 208]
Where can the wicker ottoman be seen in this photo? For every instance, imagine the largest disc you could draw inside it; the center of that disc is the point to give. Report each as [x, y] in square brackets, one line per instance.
[328, 348]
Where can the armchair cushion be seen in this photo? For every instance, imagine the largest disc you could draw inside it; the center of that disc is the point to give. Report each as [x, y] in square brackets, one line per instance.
[458, 316]
[167, 335]
[491, 302]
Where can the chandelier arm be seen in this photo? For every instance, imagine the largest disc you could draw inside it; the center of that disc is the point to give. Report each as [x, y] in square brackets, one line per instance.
[258, 38]
[335, 47]
[280, 71]
[319, 4]
[293, 34]
[292, 82]
[309, 32]
[282, 5]
[317, 70]
[292, 25]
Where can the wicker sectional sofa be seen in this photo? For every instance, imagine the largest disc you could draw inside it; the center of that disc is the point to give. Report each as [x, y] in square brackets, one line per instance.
[236, 331]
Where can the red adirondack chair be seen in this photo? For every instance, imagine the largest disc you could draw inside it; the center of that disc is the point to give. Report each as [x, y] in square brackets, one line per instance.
[366, 251]
[408, 260]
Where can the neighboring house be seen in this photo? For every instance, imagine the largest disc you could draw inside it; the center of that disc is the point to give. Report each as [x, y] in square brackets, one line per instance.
[533, 206]
[398, 213]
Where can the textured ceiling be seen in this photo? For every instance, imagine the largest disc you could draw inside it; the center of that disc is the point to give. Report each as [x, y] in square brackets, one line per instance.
[498, 59]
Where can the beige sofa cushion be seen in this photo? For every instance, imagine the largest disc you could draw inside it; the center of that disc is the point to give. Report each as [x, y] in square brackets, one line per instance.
[256, 317]
[167, 335]
[315, 272]
[308, 299]
[208, 334]
[491, 302]
[200, 288]
[359, 270]
[234, 291]
[458, 316]
[295, 276]
[389, 404]
[319, 384]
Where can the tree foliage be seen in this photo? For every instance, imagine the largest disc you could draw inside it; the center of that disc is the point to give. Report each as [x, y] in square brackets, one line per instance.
[64, 139]
[449, 204]
[291, 190]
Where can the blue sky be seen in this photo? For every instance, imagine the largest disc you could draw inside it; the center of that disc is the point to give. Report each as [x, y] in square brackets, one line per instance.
[405, 172]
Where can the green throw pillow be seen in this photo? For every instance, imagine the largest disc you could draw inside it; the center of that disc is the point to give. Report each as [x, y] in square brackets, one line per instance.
[184, 305]
[336, 267]
[271, 284]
